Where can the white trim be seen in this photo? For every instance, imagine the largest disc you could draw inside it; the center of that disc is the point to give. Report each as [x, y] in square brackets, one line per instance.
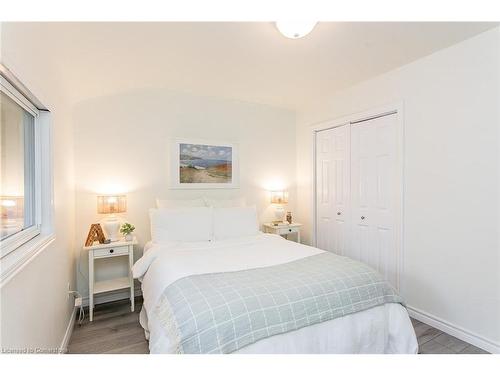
[22, 247]
[174, 165]
[398, 109]
[18, 239]
[47, 177]
[358, 116]
[454, 330]
[313, 189]
[16, 261]
[23, 90]
[19, 98]
[63, 348]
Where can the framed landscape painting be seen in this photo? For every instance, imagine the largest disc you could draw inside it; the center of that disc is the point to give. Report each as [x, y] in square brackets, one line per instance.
[203, 164]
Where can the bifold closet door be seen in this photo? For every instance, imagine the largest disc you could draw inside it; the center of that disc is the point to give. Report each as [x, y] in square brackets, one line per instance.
[376, 195]
[332, 189]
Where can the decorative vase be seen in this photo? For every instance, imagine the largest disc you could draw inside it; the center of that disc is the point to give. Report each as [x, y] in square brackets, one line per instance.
[129, 237]
[289, 217]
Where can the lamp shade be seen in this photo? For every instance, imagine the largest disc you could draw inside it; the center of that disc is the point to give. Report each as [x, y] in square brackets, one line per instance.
[279, 197]
[111, 204]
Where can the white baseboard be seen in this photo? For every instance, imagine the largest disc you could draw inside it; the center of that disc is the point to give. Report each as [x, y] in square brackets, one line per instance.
[451, 329]
[111, 296]
[63, 348]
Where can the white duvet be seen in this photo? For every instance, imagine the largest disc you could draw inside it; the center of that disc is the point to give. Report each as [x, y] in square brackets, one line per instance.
[382, 329]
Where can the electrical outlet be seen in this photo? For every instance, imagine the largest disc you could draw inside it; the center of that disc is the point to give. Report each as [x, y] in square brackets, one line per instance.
[78, 302]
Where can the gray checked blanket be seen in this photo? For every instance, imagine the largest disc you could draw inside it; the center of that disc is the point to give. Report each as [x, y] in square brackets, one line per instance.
[223, 312]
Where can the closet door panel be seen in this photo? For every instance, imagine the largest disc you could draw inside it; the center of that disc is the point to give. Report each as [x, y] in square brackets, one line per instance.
[324, 207]
[387, 195]
[341, 201]
[361, 180]
[332, 189]
[375, 194]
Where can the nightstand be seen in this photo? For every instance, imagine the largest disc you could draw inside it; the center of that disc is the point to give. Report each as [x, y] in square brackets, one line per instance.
[110, 250]
[283, 229]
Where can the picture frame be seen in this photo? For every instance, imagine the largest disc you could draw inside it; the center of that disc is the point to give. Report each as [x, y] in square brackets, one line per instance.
[203, 164]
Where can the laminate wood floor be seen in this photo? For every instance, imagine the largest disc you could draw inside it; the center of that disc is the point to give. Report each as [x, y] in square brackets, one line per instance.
[116, 330]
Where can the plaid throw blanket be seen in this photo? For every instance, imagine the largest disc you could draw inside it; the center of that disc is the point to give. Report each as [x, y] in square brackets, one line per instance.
[223, 312]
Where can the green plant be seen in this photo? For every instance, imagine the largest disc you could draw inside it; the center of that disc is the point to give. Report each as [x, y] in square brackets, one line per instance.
[127, 228]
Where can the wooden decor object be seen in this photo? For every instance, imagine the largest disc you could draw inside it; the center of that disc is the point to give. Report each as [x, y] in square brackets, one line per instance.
[95, 234]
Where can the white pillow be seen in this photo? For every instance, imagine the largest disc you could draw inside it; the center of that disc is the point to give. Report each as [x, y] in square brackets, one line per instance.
[187, 224]
[179, 203]
[235, 222]
[235, 202]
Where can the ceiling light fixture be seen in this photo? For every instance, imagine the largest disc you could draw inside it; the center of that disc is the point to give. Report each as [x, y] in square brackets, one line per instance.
[295, 29]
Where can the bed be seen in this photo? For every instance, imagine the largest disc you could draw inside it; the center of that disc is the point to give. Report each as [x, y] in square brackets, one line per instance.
[242, 291]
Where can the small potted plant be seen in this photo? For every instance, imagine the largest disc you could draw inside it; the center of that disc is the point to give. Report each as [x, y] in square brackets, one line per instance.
[127, 230]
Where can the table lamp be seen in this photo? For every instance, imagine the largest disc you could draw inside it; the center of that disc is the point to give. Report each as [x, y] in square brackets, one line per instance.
[111, 205]
[279, 198]
[12, 207]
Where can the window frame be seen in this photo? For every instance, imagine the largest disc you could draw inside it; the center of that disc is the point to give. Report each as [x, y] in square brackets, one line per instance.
[15, 241]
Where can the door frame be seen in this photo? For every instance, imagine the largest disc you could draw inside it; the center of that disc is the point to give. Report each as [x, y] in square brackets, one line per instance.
[396, 108]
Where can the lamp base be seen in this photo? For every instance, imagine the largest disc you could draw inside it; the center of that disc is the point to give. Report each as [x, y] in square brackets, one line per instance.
[111, 226]
[278, 214]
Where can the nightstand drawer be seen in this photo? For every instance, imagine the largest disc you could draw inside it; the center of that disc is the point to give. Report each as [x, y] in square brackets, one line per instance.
[286, 230]
[111, 251]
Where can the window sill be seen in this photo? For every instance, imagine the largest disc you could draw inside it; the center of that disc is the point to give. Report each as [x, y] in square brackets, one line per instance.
[18, 239]
[15, 261]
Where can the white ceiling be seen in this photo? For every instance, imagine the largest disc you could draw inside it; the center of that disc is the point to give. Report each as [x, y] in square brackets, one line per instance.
[244, 61]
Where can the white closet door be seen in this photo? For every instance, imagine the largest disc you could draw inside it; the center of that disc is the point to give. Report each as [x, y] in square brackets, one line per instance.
[332, 188]
[376, 195]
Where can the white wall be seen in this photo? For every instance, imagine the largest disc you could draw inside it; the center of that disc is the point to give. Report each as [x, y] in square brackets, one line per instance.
[122, 145]
[35, 308]
[451, 206]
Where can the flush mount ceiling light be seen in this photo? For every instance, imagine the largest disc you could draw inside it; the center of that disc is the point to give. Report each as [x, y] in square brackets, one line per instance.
[295, 29]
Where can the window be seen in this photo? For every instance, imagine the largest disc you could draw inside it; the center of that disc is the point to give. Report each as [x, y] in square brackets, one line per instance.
[20, 178]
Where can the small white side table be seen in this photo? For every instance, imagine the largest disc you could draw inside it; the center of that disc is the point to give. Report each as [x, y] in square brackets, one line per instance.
[110, 250]
[283, 229]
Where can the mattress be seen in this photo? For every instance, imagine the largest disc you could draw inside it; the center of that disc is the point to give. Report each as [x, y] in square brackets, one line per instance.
[381, 329]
